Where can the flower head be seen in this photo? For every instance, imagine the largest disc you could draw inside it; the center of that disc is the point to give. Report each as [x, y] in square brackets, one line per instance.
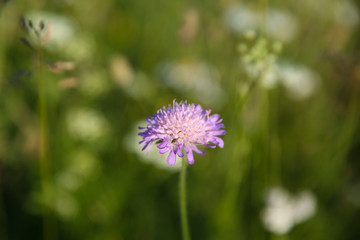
[182, 126]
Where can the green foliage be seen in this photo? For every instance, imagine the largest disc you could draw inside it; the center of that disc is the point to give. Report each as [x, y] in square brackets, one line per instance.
[284, 76]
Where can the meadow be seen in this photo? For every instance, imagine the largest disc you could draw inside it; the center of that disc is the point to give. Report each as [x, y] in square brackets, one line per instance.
[78, 79]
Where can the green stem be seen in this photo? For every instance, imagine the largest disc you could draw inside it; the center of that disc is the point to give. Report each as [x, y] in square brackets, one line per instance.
[48, 219]
[3, 217]
[182, 195]
[44, 165]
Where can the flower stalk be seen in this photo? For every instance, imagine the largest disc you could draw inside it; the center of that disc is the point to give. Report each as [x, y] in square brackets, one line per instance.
[46, 185]
[182, 197]
[182, 127]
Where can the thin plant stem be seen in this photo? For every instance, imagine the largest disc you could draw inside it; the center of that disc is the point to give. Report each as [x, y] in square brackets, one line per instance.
[49, 223]
[182, 196]
[3, 217]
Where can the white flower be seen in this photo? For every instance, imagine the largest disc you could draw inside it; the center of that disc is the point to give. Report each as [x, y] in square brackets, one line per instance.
[281, 25]
[300, 81]
[62, 35]
[195, 78]
[353, 193]
[61, 29]
[305, 206]
[66, 205]
[86, 124]
[240, 18]
[346, 13]
[81, 165]
[259, 61]
[284, 211]
[135, 83]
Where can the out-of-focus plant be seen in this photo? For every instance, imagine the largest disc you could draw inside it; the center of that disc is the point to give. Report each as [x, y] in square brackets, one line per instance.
[38, 36]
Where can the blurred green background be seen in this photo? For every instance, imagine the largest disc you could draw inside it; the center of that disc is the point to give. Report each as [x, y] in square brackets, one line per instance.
[284, 76]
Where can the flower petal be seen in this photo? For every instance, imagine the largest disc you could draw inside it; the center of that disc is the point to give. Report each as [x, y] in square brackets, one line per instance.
[190, 157]
[189, 154]
[218, 141]
[220, 125]
[208, 145]
[198, 151]
[161, 135]
[164, 150]
[163, 144]
[171, 159]
[147, 144]
[214, 117]
[143, 134]
[150, 120]
[218, 132]
[148, 150]
[179, 151]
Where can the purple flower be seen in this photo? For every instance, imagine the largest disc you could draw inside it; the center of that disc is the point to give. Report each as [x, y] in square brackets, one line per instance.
[182, 126]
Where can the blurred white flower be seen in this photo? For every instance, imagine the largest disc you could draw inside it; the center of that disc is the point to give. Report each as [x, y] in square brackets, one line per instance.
[94, 83]
[353, 193]
[346, 13]
[68, 180]
[60, 28]
[152, 155]
[270, 78]
[240, 18]
[343, 12]
[86, 124]
[195, 79]
[264, 72]
[59, 200]
[84, 163]
[304, 206]
[281, 25]
[284, 211]
[258, 58]
[66, 205]
[81, 165]
[63, 35]
[300, 81]
[135, 83]
[81, 47]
